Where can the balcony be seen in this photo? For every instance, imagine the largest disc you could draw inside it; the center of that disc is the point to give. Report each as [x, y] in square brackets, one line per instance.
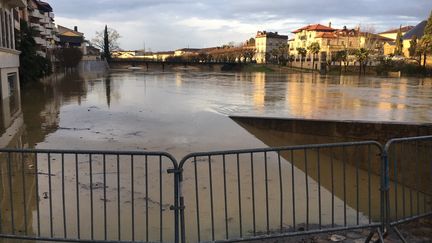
[37, 27]
[16, 3]
[51, 15]
[37, 14]
[40, 41]
[50, 25]
[46, 32]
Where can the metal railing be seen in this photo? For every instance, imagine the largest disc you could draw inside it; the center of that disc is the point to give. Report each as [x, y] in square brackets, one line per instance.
[408, 181]
[278, 192]
[225, 196]
[83, 196]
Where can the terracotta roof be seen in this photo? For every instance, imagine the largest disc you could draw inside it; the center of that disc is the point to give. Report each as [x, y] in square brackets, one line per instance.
[62, 29]
[404, 29]
[315, 27]
[327, 35]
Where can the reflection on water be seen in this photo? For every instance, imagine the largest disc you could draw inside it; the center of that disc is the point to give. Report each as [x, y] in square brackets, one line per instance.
[185, 112]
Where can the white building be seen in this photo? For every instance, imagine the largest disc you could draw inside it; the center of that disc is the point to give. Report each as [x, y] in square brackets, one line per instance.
[266, 42]
[9, 56]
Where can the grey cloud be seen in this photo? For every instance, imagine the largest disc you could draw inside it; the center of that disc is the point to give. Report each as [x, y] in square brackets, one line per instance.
[158, 20]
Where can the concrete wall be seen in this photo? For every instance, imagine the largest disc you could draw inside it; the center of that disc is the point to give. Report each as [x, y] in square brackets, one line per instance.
[338, 131]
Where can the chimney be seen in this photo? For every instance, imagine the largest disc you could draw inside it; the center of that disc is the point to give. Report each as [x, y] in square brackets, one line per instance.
[76, 28]
[329, 24]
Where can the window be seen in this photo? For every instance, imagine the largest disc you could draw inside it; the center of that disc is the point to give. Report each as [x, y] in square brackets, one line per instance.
[328, 42]
[12, 78]
[13, 92]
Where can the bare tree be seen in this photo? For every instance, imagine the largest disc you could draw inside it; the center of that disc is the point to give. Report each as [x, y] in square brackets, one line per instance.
[113, 37]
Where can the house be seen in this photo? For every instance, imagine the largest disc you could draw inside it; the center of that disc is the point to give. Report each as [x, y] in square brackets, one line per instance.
[390, 47]
[9, 55]
[308, 34]
[418, 32]
[392, 34]
[266, 42]
[70, 38]
[332, 40]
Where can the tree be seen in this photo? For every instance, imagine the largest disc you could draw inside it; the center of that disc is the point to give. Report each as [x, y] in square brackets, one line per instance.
[107, 40]
[425, 43]
[399, 43]
[32, 65]
[414, 50]
[248, 54]
[341, 56]
[283, 53]
[302, 52]
[362, 56]
[69, 57]
[314, 48]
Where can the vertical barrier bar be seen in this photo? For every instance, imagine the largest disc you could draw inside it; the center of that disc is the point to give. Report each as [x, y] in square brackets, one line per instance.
[11, 193]
[24, 193]
[293, 191]
[50, 195]
[211, 198]
[225, 197]
[160, 200]
[280, 191]
[253, 193]
[118, 199]
[133, 198]
[77, 196]
[239, 195]
[63, 196]
[307, 188]
[105, 197]
[91, 197]
[197, 199]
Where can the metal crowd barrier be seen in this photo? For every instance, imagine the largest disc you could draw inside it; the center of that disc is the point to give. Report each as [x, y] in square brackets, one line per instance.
[408, 181]
[87, 196]
[225, 196]
[254, 194]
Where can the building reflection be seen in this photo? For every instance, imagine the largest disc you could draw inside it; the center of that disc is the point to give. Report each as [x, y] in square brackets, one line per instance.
[25, 122]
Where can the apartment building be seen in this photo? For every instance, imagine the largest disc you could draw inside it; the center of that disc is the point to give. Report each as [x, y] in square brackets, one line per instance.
[266, 42]
[39, 16]
[9, 55]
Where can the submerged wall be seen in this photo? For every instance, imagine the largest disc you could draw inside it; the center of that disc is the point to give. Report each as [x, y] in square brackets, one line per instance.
[327, 131]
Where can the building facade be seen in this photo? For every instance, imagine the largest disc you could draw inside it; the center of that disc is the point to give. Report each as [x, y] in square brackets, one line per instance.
[40, 17]
[266, 42]
[333, 40]
[9, 55]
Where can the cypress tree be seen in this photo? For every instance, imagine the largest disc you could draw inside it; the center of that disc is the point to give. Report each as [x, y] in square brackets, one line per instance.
[107, 50]
[399, 43]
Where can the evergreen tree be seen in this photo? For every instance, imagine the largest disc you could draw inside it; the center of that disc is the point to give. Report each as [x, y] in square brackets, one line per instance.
[107, 51]
[32, 65]
[425, 44]
[428, 28]
[399, 43]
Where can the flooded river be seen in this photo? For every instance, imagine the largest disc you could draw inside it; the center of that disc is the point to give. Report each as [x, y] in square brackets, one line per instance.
[180, 113]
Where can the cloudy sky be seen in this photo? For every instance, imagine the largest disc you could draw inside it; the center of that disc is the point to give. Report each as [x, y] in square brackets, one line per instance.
[172, 24]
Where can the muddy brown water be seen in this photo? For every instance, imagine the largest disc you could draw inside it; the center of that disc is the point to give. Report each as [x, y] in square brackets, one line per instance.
[180, 113]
